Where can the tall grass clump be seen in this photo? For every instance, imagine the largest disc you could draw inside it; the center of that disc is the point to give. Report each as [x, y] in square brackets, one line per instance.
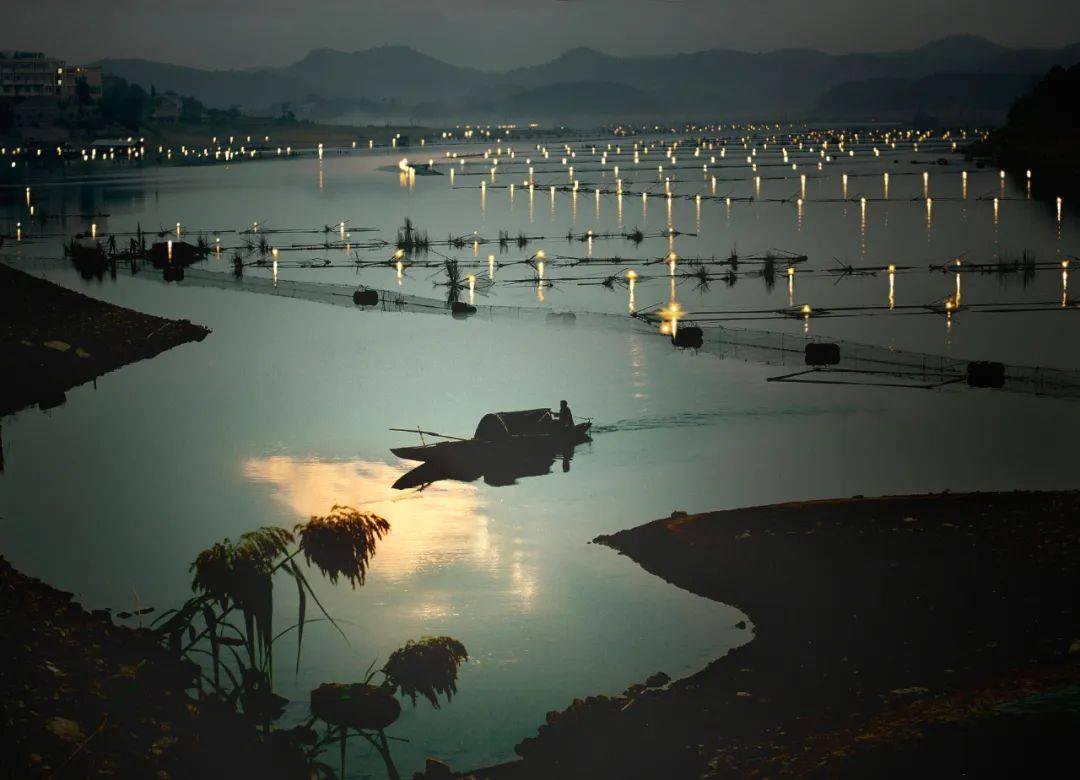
[227, 627]
[410, 239]
[768, 270]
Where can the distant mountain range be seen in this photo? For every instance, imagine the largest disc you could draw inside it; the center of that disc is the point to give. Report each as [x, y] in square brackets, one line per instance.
[955, 77]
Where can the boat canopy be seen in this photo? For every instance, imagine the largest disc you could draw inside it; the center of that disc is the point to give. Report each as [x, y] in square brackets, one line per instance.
[503, 425]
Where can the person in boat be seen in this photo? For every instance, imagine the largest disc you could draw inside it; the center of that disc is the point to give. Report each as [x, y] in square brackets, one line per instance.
[565, 416]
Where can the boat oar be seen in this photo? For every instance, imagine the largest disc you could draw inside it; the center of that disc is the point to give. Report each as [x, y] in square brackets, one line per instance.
[428, 433]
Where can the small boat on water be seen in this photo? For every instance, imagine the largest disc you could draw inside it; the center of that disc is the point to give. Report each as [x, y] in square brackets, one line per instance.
[502, 435]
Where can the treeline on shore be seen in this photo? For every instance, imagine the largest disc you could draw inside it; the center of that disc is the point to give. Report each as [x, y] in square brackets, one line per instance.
[128, 106]
[1040, 135]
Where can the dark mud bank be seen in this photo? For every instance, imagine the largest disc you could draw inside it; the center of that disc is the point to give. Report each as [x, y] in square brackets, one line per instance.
[53, 339]
[927, 612]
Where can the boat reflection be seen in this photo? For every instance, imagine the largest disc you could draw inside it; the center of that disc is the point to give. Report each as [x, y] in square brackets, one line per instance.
[500, 471]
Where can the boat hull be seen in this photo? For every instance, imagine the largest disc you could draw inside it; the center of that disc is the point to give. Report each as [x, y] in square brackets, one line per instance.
[458, 452]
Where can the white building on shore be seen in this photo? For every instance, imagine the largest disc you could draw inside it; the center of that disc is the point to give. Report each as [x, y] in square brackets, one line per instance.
[31, 74]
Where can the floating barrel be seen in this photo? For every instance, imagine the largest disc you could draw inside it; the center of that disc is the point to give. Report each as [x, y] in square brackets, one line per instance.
[459, 309]
[822, 354]
[984, 373]
[173, 273]
[690, 336]
[366, 297]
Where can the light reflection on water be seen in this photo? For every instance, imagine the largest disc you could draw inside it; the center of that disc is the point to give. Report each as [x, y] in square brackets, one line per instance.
[213, 439]
[282, 412]
[444, 524]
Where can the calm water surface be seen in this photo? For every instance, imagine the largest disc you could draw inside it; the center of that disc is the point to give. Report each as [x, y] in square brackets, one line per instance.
[284, 409]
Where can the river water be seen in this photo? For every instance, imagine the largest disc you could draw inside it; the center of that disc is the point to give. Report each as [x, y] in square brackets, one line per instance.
[284, 409]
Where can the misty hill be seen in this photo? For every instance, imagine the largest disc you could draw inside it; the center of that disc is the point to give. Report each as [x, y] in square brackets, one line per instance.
[972, 96]
[386, 72]
[215, 88]
[573, 99]
[1040, 135]
[720, 82]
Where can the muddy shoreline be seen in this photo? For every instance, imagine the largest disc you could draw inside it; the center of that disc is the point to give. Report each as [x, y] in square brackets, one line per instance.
[81, 696]
[53, 339]
[879, 625]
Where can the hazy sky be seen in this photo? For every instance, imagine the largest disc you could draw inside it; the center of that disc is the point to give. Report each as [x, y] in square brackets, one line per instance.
[497, 34]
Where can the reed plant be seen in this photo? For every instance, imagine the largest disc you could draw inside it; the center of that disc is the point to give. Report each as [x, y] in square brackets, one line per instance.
[227, 627]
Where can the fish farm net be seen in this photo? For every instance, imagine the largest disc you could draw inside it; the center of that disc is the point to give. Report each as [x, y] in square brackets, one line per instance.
[859, 363]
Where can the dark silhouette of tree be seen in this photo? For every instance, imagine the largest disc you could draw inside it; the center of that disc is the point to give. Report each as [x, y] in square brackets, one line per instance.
[1040, 135]
[123, 103]
[191, 110]
[82, 92]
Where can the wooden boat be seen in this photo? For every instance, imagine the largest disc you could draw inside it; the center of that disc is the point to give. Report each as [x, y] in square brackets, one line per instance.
[502, 435]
